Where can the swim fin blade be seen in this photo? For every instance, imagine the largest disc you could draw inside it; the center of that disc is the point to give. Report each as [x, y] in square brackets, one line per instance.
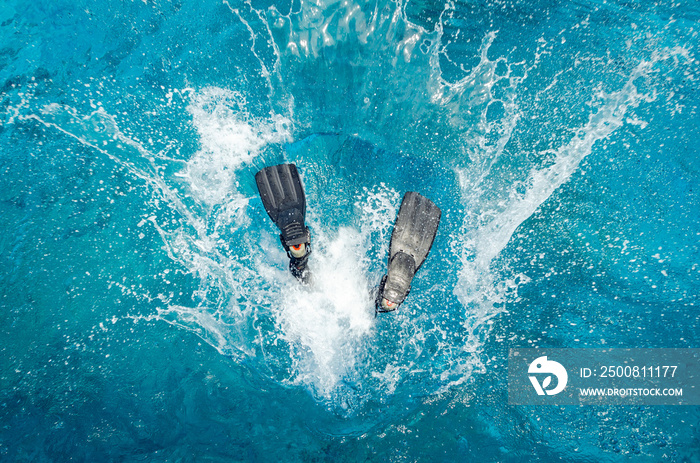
[414, 232]
[284, 200]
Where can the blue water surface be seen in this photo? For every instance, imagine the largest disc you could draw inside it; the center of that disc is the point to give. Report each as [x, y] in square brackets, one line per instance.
[147, 313]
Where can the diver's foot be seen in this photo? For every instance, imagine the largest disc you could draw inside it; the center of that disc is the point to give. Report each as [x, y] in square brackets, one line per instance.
[298, 262]
[283, 198]
[300, 271]
[414, 232]
[381, 303]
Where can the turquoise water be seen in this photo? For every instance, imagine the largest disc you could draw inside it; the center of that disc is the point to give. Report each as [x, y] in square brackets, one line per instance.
[147, 313]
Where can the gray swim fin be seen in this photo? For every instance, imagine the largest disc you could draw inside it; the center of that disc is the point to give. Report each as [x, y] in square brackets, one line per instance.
[414, 232]
[283, 197]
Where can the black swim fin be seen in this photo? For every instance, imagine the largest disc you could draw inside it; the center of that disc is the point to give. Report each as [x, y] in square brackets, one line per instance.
[414, 232]
[283, 197]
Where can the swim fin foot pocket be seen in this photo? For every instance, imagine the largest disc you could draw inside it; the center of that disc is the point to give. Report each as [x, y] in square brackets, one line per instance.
[414, 232]
[283, 197]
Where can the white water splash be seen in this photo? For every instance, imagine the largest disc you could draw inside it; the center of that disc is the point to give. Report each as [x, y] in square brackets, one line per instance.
[327, 324]
[481, 289]
[229, 138]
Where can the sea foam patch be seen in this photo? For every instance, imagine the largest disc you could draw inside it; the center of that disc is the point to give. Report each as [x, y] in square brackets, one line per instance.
[229, 137]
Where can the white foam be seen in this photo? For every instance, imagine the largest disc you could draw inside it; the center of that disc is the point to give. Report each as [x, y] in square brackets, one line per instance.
[229, 137]
[327, 323]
